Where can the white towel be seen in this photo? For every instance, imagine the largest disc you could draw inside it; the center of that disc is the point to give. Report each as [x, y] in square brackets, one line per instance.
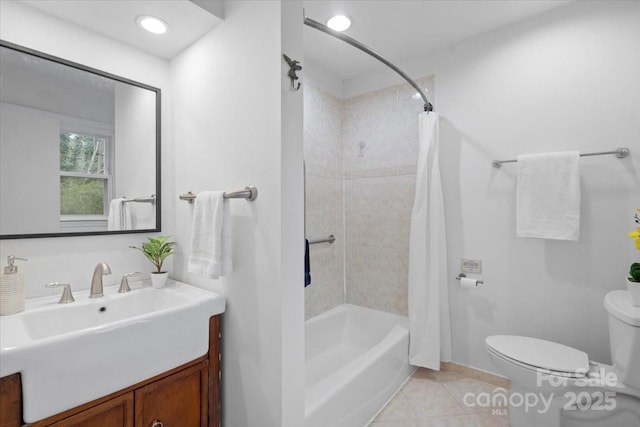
[119, 215]
[210, 236]
[548, 196]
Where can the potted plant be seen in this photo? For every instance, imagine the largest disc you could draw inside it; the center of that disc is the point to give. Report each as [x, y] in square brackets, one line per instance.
[157, 249]
[633, 280]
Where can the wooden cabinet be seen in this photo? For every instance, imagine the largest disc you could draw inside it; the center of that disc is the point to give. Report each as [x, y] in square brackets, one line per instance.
[178, 400]
[187, 396]
[10, 401]
[117, 412]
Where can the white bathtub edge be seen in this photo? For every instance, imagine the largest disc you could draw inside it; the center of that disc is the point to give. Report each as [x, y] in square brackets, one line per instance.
[353, 377]
[415, 368]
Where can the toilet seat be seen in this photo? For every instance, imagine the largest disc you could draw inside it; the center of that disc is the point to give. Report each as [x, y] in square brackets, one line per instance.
[536, 354]
[574, 387]
[535, 369]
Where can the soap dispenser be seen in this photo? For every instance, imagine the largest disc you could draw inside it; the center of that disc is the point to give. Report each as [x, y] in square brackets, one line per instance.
[11, 288]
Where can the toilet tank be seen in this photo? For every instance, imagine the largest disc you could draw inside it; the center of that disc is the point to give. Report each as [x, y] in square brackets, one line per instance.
[624, 336]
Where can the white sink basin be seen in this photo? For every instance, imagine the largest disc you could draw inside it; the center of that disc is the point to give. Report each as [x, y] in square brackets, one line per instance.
[70, 354]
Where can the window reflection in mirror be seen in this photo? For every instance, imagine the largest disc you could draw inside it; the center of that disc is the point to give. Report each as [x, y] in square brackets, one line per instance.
[77, 147]
[85, 179]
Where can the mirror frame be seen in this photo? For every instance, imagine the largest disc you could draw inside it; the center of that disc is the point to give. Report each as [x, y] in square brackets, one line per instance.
[158, 193]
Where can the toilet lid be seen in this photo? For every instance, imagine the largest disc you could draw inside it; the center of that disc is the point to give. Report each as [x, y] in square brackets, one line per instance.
[540, 353]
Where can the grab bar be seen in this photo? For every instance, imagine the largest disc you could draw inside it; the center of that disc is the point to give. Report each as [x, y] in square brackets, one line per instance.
[329, 240]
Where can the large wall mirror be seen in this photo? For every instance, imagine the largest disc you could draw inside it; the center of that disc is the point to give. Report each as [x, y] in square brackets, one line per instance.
[79, 149]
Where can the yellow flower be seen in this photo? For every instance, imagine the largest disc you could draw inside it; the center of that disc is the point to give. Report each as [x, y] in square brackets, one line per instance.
[636, 235]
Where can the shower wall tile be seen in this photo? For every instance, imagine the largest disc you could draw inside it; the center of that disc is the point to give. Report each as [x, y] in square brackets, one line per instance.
[319, 299]
[361, 163]
[324, 216]
[323, 194]
[374, 229]
[408, 170]
[324, 200]
[389, 297]
[371, 173]
[323, 172]
[380, 129]
[393, 193]
[372, 194]
[380, 148]
[374, 264]
[377, 224]
[322, 128]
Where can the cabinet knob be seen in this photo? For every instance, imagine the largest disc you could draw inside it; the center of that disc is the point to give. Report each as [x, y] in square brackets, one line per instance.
[157, 423]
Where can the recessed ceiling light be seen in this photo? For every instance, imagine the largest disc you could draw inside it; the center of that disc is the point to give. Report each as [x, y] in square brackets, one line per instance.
[152, 24]
[339, 22]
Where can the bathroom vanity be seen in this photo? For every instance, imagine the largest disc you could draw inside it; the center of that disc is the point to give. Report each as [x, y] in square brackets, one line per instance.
[148, 357]
[188, 395]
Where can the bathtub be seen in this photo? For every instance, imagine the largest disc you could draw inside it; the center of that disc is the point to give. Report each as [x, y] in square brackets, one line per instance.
[356, 358]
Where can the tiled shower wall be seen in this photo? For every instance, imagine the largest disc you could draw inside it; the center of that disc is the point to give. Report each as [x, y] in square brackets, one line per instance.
[372, 194]
[323, 198]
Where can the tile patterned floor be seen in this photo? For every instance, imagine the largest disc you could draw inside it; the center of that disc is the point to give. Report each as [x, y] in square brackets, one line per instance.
[437, 398]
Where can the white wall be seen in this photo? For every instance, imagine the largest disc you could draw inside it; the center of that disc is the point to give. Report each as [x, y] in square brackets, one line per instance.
[323, 79]
[565, 80]
[49, 86]
[292, 224]
[232, 127]
[72, 259]
[135, 151]
[37, 101]
[29, 170]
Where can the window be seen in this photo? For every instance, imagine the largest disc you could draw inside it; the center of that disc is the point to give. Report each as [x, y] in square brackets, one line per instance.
[85, 180]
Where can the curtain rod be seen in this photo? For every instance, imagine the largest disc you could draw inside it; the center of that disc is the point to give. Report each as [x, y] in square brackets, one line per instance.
[355, 43]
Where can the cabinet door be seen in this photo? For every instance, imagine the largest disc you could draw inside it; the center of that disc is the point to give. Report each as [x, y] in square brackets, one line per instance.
[175, 401]
[117, 412]
[10, 401]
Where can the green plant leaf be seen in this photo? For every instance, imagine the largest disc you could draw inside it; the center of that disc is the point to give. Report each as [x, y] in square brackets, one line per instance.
[157, 249]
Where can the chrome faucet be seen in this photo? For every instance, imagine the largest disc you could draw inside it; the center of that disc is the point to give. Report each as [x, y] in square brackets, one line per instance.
[66, 296]
[96, 282]
[124, 283]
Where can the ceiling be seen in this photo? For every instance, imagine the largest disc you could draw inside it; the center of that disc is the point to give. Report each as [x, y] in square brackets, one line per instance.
[402, 30]
[116, 19]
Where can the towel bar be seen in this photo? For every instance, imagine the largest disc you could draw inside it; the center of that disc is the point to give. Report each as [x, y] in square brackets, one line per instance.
[621, 153]
[250, 193]
[151, 199]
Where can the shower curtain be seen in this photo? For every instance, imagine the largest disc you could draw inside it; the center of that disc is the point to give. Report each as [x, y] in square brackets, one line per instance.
[429, 324]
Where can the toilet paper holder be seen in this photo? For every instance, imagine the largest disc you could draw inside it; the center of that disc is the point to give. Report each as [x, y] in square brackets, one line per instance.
[461, 275]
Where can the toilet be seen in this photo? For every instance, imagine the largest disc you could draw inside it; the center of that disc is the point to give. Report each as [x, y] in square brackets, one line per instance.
[554, 385]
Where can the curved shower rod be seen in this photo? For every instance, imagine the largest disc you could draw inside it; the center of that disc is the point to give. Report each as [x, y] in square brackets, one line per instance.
[355, 43]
